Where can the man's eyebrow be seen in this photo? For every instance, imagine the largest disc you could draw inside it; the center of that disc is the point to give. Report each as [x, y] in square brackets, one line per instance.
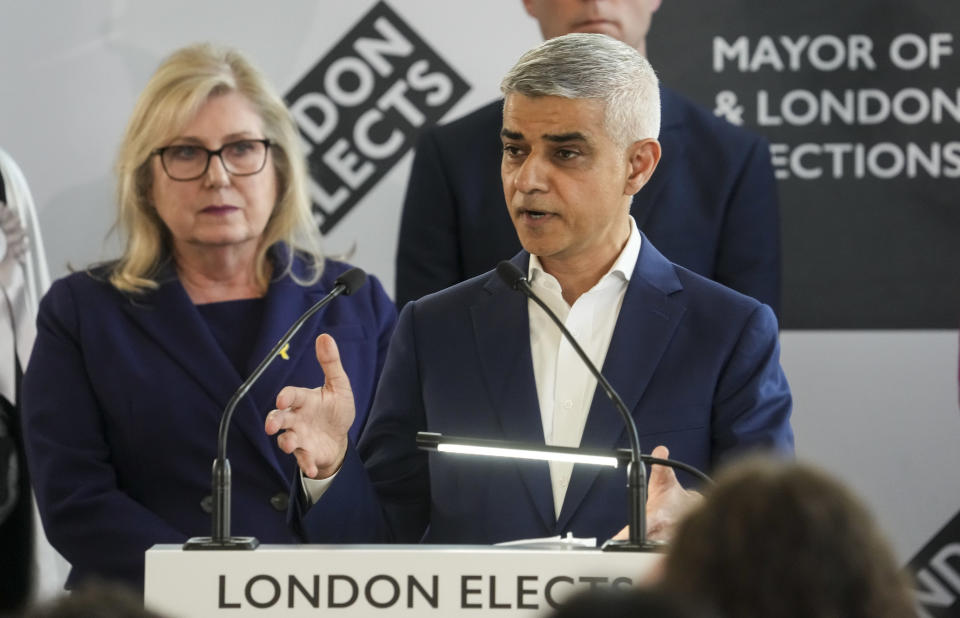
[574, 136]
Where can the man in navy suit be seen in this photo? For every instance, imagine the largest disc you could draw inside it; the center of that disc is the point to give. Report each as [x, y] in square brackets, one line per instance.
[711, 206]
[695, 362]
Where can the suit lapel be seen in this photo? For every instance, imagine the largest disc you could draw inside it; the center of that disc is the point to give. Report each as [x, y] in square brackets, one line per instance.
[169, 317]
[286, 301]
[503, 344]
[648, 318]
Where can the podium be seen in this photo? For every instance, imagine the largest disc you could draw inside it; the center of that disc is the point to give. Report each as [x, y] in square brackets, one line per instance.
[365, 580]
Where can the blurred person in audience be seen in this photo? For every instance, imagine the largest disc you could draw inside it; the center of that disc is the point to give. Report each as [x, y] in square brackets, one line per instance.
[779, 539]
[711, 206]
[94, 599]
[136, 359]
[624, 603]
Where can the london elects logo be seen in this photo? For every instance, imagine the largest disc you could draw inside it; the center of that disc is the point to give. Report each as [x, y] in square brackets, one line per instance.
[936, 573]
[360, 108]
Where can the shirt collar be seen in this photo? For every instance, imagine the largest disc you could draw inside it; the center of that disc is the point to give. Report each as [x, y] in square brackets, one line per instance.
[622, 268]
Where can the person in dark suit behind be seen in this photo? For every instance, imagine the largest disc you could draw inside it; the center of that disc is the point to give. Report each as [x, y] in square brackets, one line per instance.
[695, 362]
[136, 359]
[711, 206]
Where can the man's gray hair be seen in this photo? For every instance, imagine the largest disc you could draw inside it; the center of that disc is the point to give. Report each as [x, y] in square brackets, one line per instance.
[593, 66]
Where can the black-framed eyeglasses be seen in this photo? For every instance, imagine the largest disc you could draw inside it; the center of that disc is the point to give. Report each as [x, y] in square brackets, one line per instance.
[244, 157]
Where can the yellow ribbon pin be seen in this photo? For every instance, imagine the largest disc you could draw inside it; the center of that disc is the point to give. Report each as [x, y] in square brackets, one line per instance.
[283, 352]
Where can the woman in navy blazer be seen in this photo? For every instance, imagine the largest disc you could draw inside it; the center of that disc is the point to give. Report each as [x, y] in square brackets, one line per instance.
[136, 359]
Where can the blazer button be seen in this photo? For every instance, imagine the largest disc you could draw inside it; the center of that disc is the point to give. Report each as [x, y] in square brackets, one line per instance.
[207, 504]
[280, 502]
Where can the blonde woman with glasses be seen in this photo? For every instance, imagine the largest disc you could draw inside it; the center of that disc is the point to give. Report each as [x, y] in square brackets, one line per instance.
[136, 359]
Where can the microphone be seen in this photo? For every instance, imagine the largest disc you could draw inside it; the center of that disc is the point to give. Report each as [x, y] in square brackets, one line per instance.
[636, 474]
[346, 284]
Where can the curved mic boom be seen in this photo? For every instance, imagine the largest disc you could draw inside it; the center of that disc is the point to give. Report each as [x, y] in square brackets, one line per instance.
[636, 474]
[346, 284]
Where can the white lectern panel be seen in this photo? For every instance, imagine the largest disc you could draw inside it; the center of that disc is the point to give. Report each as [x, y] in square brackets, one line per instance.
[370, 580]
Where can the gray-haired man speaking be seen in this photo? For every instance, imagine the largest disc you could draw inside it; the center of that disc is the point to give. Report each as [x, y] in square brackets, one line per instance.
[696, 363]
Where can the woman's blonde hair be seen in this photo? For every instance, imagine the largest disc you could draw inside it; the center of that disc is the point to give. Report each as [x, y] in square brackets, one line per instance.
[179, 87]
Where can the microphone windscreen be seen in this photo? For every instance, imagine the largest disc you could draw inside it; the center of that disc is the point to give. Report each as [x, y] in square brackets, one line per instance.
[510, 274]
[351, 280]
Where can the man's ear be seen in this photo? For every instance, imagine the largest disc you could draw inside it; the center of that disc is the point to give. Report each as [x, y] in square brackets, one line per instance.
[642, 159]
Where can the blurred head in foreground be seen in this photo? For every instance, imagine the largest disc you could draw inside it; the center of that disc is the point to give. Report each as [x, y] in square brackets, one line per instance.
[622, 603]
[94, 599]
[778, 538]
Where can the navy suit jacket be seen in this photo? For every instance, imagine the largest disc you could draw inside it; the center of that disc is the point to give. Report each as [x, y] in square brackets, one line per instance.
[695, 362]
[122, 402]
[710, 206]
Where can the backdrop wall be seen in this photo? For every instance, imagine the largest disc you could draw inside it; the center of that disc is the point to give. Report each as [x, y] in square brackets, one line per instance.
[868, 260]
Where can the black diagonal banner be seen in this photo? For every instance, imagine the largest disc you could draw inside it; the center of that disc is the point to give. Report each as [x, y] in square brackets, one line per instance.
[936, 571]
[361, 106]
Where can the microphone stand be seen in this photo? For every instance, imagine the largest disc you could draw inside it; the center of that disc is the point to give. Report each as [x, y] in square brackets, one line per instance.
[636, 474]
[220, 538]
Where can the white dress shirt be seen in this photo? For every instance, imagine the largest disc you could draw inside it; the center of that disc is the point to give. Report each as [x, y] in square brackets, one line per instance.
[565, 386]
